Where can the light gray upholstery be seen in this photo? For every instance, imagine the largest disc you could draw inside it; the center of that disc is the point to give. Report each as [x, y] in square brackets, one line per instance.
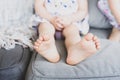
[97, 19]
[104, 65]
[14, 63]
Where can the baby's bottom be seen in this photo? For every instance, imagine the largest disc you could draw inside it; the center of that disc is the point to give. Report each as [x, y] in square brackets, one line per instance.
[78, 49]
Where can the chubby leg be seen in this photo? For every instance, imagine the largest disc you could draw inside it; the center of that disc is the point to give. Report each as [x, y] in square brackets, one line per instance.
[79, 49]
[45, 44]
[115, 35]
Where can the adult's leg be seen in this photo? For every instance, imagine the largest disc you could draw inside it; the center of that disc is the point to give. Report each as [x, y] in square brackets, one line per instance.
[79, 49]
[45, 44]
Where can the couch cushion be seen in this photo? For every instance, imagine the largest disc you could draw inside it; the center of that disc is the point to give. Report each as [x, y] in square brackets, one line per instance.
[13, 63]
[97, 19]
[101, 33]
[104, 65]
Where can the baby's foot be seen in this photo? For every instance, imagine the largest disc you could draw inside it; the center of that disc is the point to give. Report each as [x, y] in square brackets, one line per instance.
[45, 46]
[83, 49]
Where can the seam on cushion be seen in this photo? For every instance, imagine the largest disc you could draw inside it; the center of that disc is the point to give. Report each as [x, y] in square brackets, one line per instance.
[117, 76]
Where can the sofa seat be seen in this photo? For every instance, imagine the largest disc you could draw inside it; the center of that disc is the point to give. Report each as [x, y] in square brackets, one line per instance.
[104, 65]
[14, 62]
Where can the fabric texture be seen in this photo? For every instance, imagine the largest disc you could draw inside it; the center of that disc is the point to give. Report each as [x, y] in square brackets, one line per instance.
[96, 18]
[15, 26]
[104, 65]
[61, 7]
[14, 62]
[104, 7]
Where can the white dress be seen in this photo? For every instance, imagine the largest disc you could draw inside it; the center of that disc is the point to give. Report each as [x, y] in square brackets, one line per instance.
[63, 7]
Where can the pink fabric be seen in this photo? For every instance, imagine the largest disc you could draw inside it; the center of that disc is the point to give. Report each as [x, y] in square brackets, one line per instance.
[104, 8]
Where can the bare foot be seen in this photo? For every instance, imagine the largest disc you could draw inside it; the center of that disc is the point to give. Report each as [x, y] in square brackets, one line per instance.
[83, 49]
[115, 35]
[45, 46]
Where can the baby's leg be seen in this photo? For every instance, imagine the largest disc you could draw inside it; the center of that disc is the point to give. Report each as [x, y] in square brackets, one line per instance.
[45, 44]
[115, 35]
[79, 49]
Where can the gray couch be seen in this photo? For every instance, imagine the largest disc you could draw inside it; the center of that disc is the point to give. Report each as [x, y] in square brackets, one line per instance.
[14, 62]
[104, 65]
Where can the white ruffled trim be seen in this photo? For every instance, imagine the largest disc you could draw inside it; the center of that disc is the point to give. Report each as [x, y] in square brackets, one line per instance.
[15, 27]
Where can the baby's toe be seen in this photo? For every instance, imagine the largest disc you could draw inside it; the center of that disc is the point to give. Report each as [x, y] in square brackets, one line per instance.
[89, 36]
